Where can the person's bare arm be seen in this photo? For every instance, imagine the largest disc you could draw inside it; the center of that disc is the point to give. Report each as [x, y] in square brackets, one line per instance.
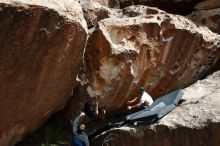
[96, 108]
[133, 101]
[135, 106]
[75, 123]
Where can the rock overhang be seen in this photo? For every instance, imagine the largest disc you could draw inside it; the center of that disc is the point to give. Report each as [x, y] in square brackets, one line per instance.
[120, 41]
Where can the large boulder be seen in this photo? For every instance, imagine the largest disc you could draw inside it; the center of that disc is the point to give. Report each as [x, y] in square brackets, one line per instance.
[41, 50]
[194, 122]
[146, 47]
[210, 19]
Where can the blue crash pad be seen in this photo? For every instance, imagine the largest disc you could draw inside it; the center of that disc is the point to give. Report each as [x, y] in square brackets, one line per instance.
[157, 110]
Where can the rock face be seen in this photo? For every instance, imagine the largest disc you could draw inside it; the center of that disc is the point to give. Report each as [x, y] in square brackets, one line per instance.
[41, 49]
[208, 4]
[195, 122]
[209, 18]
[146, 47]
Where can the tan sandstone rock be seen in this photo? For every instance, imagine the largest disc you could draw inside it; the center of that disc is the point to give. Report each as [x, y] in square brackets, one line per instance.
[210, 19]
[41, 50]
[146, 47]
[106, 3]
[195, 122]
[208, 4]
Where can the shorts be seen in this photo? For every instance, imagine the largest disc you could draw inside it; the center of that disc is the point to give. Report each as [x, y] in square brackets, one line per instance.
[144, 106]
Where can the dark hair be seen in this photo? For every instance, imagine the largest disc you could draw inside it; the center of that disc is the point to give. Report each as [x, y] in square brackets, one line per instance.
[141, 90]
[102, 109]
[79, 131]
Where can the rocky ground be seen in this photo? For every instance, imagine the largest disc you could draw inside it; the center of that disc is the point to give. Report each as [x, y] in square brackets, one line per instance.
[54, 52]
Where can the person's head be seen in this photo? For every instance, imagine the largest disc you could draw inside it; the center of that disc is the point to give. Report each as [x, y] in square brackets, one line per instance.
[102, 112]
[81, 128]
[141, 90]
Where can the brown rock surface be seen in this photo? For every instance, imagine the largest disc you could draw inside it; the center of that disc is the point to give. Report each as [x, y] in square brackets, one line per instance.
[195, 122]
[146, 47]
[94, 12]
[209, 18]
[208, 4]
[41, 48]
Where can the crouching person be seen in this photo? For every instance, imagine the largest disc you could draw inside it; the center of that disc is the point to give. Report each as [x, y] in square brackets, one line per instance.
[80, 138]
[143, 101]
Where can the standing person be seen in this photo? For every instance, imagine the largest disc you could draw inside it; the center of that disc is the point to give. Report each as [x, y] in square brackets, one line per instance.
[144, 100]
[94, 111]
[80, 138]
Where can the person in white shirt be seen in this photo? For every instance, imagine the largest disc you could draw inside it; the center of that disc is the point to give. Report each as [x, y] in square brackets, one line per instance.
[145, 100]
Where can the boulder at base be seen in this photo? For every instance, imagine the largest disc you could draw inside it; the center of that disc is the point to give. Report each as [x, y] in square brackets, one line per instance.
[41, 49]
[195, 122]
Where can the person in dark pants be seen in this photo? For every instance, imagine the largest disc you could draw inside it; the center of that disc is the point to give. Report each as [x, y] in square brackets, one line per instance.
[94, 111]
[80, 138]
